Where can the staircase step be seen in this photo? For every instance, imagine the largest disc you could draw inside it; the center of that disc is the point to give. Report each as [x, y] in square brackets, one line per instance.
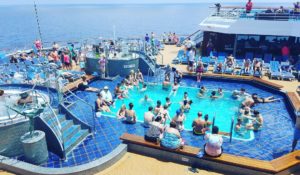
[61, 118]
[66, 125]
[70, 132]
[77, 138]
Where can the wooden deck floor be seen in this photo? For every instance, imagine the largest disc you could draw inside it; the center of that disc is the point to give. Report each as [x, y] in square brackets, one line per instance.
[135, 164]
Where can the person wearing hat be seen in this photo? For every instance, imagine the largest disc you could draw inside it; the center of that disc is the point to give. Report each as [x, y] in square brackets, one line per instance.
[106, 96]
[24, 99]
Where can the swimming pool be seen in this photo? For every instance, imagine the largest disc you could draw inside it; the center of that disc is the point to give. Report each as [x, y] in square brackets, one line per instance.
[223, 109]
[273, 141]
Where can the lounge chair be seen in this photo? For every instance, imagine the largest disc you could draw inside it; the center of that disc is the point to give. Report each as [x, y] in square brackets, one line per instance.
[275, 71]
[180, 56]
[286, 71]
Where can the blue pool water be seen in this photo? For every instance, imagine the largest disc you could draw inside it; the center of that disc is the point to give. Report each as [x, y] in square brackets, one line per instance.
[273, 141]
[224, 109]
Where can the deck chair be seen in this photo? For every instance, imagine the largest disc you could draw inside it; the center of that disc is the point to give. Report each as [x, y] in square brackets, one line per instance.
[275, 71]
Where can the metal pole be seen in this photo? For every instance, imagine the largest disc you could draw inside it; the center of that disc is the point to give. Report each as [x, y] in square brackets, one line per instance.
[213, 122]
[38, 22]
[231, 129]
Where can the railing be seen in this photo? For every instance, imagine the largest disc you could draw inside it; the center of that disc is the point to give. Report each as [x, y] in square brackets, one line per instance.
[257, 14]
[71, 94]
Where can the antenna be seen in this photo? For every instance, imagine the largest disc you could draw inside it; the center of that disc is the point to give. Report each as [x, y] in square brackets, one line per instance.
[38, 21]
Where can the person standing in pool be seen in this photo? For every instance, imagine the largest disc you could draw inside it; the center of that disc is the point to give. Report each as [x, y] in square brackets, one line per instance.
[174, 89]
[166, 83]
[202, 92]
[146, 100]
[168, 102]
[165, 114]
[257, 121]
[148, 117]
[130, 115]
[185, 97]
[179, 120]
[198, 125]
[158, 107]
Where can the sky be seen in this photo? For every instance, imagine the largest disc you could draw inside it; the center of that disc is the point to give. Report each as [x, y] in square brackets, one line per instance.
[16, 2]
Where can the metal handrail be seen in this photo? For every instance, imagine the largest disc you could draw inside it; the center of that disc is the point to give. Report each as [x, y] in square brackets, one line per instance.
[92, 107]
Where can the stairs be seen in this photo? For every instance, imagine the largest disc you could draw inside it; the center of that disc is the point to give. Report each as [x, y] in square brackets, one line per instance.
[71, 134]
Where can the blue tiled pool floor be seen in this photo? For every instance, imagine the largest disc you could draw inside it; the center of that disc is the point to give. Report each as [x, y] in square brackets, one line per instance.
[273, 141]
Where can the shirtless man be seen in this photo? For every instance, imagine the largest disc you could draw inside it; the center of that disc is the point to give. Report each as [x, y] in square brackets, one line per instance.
[199, 125]
[148, 117]
[179, 119]
[130, 115]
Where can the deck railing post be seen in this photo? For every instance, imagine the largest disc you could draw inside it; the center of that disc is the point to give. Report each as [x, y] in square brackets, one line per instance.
[231, 129]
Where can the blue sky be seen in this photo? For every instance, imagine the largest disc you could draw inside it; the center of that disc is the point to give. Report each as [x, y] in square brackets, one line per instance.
[14, 2]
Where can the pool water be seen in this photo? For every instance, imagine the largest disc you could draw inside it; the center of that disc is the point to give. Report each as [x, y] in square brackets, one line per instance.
[224, 109]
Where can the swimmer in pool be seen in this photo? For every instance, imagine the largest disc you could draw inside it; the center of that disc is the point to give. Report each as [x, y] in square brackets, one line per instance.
[144, 88]
[174, 89]
[202, 92]
[146, 100]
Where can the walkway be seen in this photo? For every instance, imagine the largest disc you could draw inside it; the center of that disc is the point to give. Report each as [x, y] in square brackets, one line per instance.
[135, 164]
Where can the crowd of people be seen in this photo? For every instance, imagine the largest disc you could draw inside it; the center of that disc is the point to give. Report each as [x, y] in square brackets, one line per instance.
[158, 115]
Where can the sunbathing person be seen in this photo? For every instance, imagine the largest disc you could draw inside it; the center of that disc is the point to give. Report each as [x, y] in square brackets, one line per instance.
[84, 86]
[258, 99]
[171, 137]
[25, 98]
[198, 125]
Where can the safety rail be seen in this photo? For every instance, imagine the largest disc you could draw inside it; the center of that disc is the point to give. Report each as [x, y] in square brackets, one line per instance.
[257, 14]
[80, 99]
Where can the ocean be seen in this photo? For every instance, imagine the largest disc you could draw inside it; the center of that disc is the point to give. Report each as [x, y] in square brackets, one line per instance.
[76, 23]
